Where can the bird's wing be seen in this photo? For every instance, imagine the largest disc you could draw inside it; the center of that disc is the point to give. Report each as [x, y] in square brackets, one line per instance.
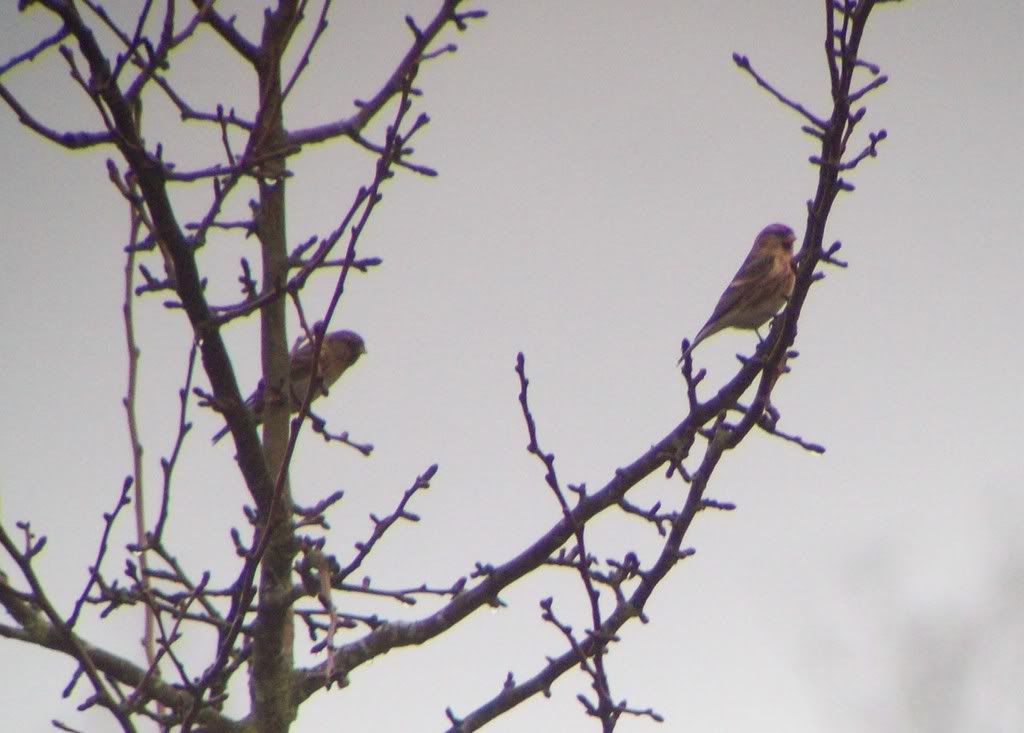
[752, 271]
[753, 268]
[300, 365]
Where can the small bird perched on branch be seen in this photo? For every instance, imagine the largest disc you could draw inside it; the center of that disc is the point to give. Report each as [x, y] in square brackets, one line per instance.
[339, 351]
[759, 289]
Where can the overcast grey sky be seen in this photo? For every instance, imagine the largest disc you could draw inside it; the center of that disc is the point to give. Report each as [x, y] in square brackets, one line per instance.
[604, 168]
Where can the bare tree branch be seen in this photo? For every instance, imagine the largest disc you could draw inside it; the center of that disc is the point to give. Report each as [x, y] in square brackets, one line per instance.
[31, 53]
[422, 38]
[70, 140]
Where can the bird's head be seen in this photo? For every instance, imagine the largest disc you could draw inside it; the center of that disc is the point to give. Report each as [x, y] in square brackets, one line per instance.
[775, 238]
[347, 340]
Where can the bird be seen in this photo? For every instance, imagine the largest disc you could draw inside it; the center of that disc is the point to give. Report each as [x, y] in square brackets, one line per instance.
[759, 288]
[339, 351]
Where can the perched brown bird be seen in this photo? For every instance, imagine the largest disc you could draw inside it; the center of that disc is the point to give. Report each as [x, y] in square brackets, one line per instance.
[340, 350]
[759, 289]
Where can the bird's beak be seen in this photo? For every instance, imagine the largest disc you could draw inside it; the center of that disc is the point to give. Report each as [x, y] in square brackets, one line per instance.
[790, 238]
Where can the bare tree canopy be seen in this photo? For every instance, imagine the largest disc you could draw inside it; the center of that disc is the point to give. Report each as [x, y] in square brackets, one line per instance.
[290, 613]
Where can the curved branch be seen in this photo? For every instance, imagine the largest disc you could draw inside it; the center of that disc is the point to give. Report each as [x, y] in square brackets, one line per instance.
[70, 140]
[226, 30]
[396, 634]
[422, 38]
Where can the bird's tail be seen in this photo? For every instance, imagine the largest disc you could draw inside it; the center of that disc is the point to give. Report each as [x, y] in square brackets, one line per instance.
[701, 335]
[710, 328]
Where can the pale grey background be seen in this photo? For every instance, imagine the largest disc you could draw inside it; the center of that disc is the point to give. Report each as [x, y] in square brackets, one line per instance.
[604, 169]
